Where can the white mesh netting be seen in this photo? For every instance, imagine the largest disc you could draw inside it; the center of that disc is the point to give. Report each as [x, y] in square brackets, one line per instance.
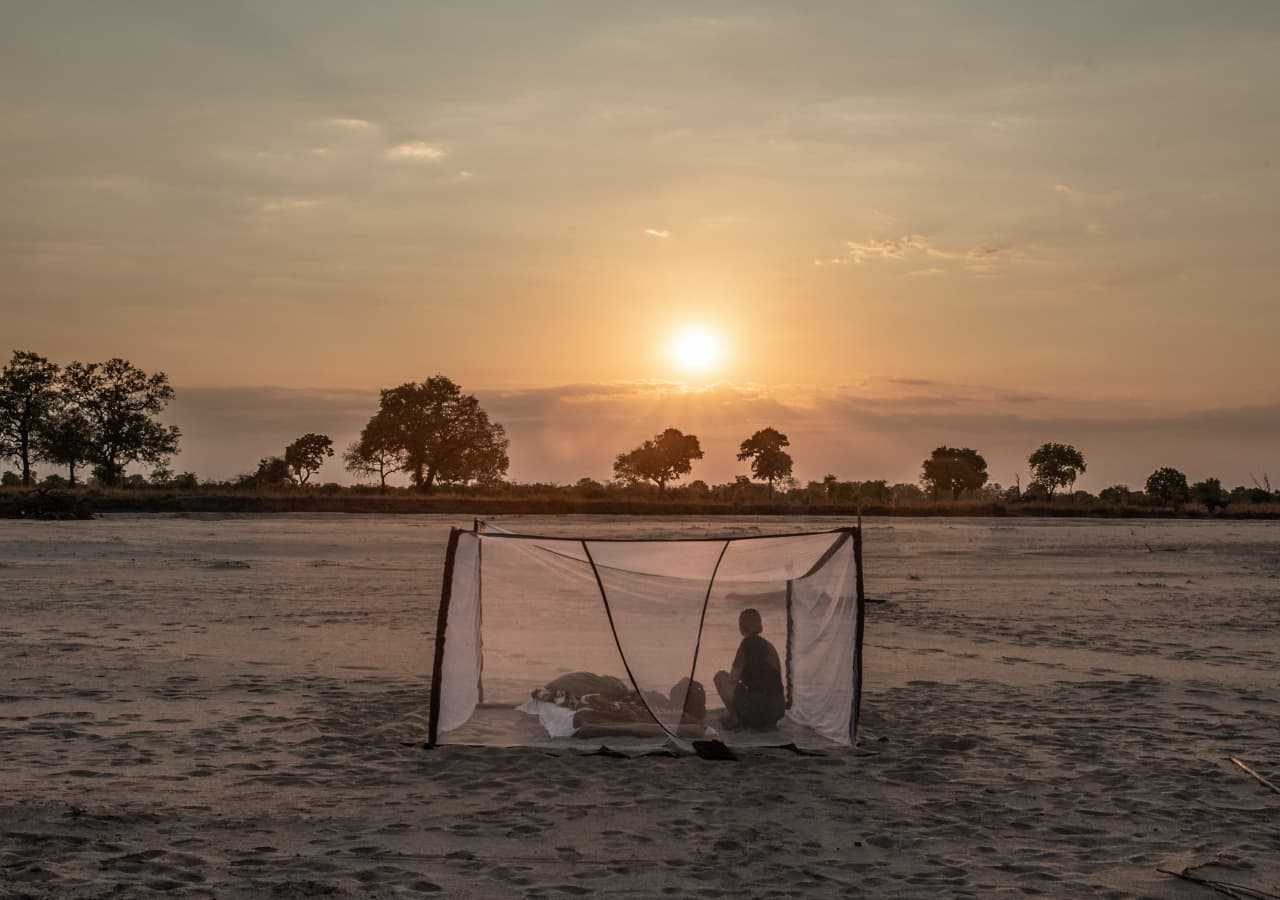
[549, 640]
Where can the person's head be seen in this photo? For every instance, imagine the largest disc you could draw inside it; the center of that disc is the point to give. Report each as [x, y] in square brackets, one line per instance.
[749, 622]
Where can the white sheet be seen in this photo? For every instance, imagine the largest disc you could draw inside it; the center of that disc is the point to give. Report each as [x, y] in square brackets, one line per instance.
[555, 719]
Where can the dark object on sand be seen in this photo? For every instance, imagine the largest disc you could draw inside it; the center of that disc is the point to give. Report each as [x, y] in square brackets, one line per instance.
[1229, 888]
[713, 750]
[46, 505]
[1254, 775]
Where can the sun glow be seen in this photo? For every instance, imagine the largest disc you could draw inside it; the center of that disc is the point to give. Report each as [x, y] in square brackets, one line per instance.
[697, 350]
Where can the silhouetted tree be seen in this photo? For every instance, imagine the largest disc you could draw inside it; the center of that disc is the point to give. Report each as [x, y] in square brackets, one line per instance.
[769, 462]
[272, 471]
[1168, 487]
[306, 455]
[28, 395]
[830, 484]
[875, 491]
[905, 493]
[1210, 493]
[1056, 466]
[954, 470]
[63, 439]
[1117, 494]
[665, 458]
[374, 453]
[119, 401]
[442, 433]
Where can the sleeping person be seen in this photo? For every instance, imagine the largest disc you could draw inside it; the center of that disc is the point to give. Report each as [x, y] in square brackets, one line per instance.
[752, 689]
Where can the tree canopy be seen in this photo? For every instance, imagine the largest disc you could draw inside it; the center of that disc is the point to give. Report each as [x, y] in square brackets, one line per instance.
[954, 470]
[63, 439]
[374, 453]
[1168, 487]
[1056, 466]
[769, 462]
[306, 455]
[1210, 493]
[442, 434]
[272, 471]
[28, 396]
[665, 458]
[119, 403]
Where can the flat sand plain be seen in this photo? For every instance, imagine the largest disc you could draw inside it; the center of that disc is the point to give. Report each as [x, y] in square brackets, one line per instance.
[232, 706]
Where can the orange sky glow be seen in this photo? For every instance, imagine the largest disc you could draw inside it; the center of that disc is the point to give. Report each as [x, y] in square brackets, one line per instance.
[903, 226]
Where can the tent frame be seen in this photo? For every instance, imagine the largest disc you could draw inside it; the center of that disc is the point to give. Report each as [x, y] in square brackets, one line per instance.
[853, 533]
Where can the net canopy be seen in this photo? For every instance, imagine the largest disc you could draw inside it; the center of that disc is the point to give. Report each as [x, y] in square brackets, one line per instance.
[560, 641]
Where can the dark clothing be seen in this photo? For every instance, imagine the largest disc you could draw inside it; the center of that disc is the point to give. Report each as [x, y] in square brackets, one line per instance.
[758, 699]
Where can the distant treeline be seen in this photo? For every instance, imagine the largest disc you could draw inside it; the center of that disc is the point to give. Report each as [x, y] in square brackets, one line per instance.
[104, 416]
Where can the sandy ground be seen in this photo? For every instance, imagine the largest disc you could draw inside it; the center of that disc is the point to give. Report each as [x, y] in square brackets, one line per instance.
[232, 707]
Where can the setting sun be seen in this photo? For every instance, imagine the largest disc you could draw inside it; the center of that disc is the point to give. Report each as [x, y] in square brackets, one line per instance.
[697, 350]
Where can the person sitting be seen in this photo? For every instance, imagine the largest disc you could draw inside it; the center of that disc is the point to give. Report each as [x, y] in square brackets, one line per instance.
[752, 689]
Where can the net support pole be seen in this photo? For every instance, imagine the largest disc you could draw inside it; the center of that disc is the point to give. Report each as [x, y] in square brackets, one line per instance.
[860, 623]
[442, 623]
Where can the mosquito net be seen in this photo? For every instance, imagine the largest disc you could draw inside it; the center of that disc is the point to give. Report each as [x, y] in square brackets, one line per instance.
[552, 640]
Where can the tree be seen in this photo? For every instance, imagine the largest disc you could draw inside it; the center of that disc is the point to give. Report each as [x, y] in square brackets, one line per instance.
[272, 471]
[1210, 493]
[664, 458]
[442, 433]
[1168, 487]
[830, 485]
[1056, 466]
[374, 453]
[954, 470]
[28, 394]
[1118, 494]
[769, 462]
[306, 455]
[63, 439]
[119, 402]
[905, 493]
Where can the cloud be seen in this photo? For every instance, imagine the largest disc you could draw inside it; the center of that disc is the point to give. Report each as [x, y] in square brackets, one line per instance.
[417, 151]
[288, 204]
[351, 124]
[658, 233]
[890, 248]
[981, 259]
[1062, 189]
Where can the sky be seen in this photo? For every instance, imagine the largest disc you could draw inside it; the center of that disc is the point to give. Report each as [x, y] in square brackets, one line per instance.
[910, 223]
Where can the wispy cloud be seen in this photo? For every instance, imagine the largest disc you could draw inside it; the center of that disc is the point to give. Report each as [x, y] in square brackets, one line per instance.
[980, 259]
[352, 124]
[288, 204]
[416, 151]
[658, 233]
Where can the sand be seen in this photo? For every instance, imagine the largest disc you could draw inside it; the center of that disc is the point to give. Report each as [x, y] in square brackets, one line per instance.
[233, 706]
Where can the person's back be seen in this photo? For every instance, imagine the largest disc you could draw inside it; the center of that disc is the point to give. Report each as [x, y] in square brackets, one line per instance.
[752, 692]
[759, 701]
